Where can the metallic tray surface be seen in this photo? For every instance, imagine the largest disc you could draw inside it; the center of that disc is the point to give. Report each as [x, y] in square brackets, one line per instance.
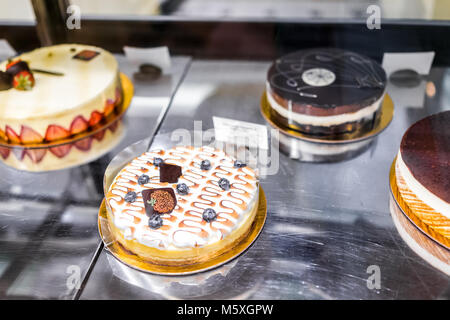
[328, 225]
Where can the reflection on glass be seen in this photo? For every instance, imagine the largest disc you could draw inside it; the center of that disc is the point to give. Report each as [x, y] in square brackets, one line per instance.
[266, 9]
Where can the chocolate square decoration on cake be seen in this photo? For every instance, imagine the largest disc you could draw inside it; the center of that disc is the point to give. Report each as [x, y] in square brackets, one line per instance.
[86, 55]
[169, 172]
[159, 200]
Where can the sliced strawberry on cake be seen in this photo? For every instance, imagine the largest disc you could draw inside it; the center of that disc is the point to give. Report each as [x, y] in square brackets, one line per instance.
[4, 152]
[12, 135]
[99, 135]
[61, 151]
[28, 135]
[84, 144]
[36, 155]
[109, 107]
[96, 117]
[55, 132]
[79, 124]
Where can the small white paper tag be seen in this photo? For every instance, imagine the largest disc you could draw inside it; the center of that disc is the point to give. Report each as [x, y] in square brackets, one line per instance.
[240, 132]
[6, 50]
[418, 61]
[159, 56]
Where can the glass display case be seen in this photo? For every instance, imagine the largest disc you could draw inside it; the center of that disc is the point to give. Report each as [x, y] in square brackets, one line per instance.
[335, 225]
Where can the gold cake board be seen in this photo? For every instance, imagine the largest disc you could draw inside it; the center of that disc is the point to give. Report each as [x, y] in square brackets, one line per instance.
[387, 113]
[136, 262]
[422, 240]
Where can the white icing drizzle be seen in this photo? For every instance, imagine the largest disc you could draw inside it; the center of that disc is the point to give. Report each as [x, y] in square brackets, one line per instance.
[184, 226]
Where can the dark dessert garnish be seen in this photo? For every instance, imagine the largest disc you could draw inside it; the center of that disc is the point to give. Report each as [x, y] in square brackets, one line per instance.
[73, 49]
[22, 77]
[16, 67]
[205, 165]
[182, 189]
[130, 197]
[157, 162]
[239, 164]
[209, 215]
[147, 72]
[224, 184]
[5, 81]
[160, 200]
[47, 72]
[86, 55]
[155, 221]
[169, 172]
[149, 69]
[143, 179]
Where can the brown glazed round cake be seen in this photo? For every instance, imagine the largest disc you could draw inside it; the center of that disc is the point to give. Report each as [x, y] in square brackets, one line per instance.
[424, 161]
[326, 91]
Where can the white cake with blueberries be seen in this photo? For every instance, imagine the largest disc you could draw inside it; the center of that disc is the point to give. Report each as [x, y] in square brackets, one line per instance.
[182, 206]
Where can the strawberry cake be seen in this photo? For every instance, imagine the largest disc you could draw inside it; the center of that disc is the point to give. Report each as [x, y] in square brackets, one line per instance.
[56, 92]
[182, 206]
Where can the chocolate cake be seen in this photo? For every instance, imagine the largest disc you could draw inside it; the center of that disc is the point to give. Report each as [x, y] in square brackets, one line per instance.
[326, 91]
[424, 161]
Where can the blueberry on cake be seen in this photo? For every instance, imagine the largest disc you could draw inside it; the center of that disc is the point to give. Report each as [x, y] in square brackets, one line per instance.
[182, 206]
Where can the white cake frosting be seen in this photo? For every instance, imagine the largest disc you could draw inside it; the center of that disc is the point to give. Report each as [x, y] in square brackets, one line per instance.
[84, 88]
[431, 200]
[184, 227]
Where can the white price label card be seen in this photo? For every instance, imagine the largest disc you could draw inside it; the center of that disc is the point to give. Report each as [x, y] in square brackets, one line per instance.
[6, 50]
[418, 61]
[240, 132]
[158, 56]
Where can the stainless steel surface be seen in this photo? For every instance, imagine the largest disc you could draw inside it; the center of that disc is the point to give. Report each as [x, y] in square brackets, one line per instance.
[326, 224]
[48, 221]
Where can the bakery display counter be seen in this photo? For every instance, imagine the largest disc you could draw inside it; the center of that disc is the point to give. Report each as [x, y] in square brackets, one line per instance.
[329, 232]
[48, 234]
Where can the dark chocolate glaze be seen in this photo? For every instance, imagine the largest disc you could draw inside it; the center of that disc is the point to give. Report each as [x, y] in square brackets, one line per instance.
[6, 80]
[425, 149]
[360, 81]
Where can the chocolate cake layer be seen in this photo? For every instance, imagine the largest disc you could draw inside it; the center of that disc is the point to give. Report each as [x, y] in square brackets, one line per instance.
[361, 127]
[326, 82]
[425, 149]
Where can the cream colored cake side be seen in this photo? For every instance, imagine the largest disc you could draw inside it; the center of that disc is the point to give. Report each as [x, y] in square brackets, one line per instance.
[86, 86]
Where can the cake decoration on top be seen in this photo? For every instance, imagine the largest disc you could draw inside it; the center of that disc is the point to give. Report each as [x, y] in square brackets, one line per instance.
[159, 200]
[86, 55]
[169, 172]
[327, 77]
